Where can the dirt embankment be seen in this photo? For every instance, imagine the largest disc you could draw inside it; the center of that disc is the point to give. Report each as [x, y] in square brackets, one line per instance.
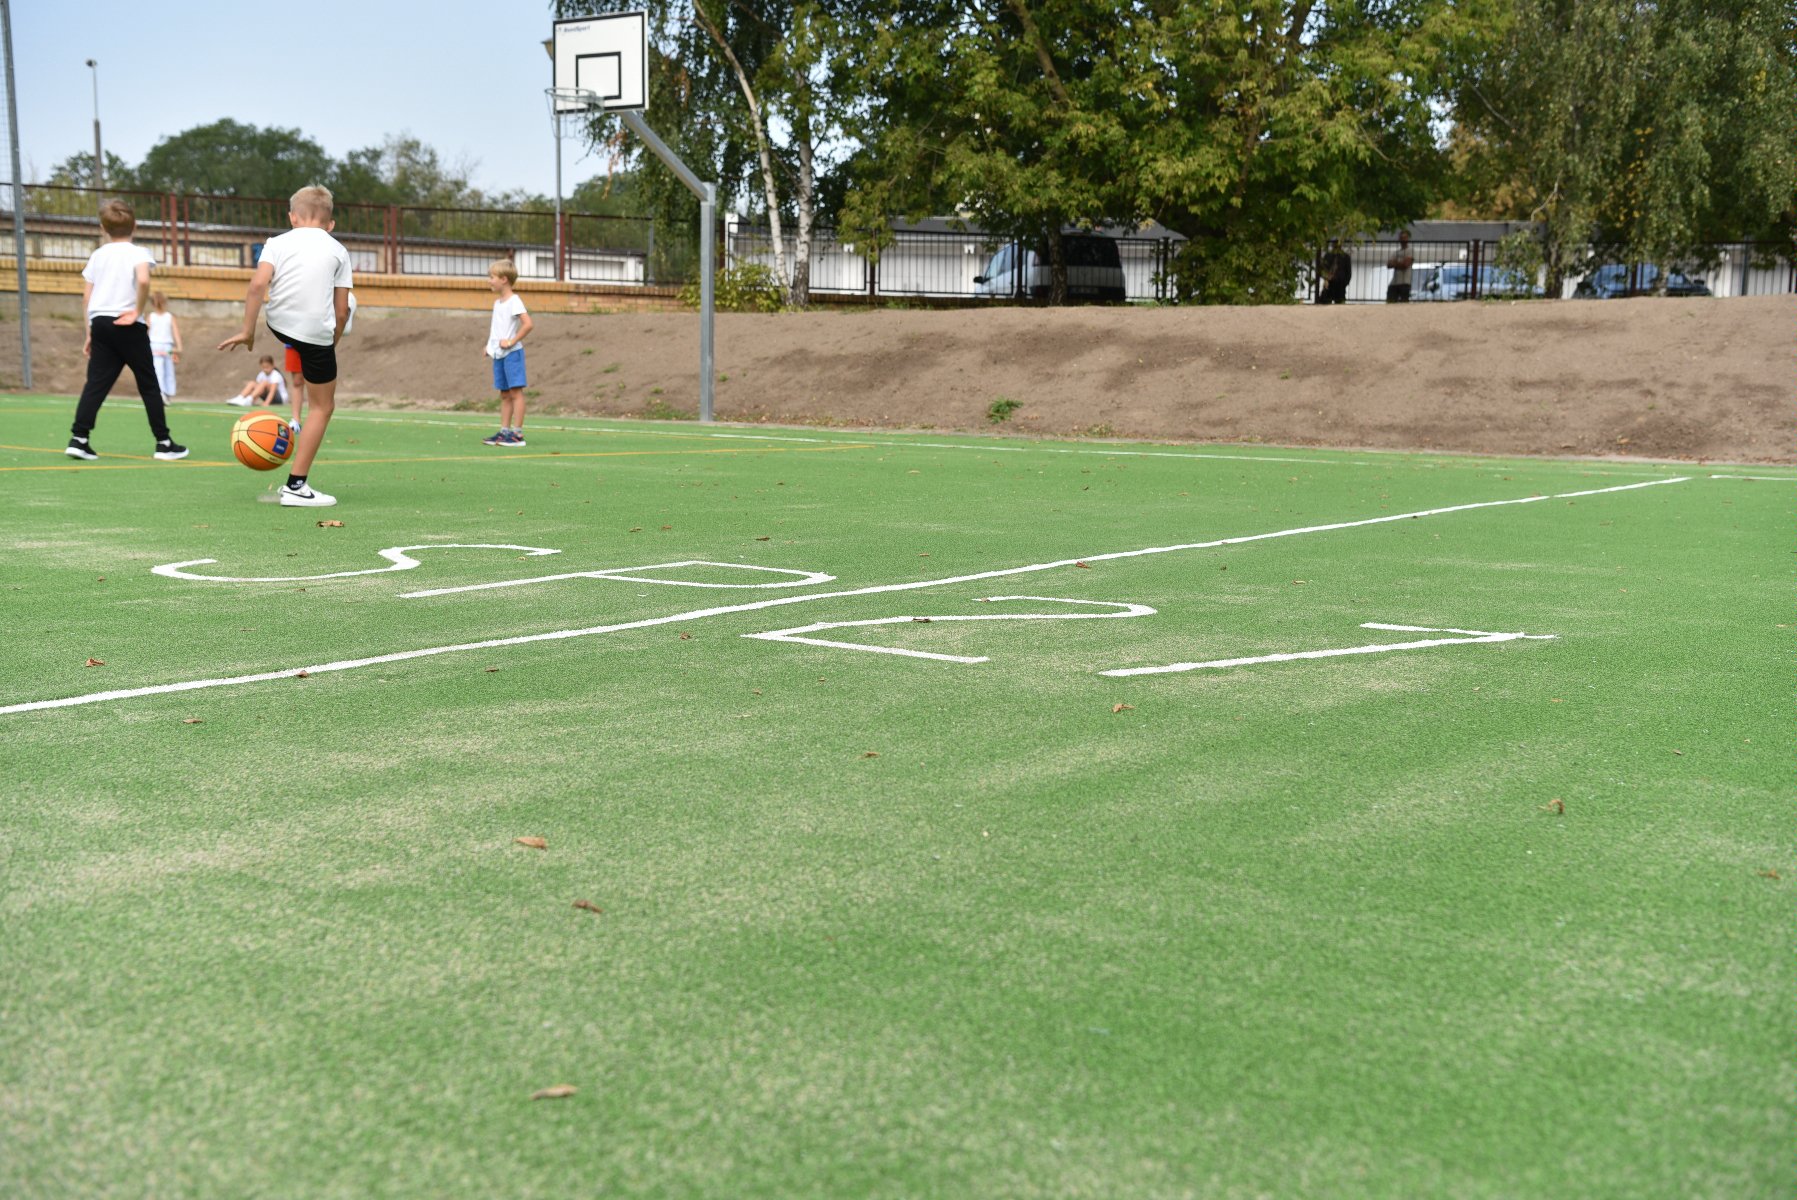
[1710, 379]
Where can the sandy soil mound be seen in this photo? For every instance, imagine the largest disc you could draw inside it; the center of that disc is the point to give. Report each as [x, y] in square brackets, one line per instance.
[1709, 379]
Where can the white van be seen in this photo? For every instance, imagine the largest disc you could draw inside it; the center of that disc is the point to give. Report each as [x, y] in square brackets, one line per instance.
[1094, 270]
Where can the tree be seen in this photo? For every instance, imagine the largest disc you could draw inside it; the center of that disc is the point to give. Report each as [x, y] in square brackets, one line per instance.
[1022, 118]
[77, 170]
[402, 170]
[229, 158]
[1647, 126]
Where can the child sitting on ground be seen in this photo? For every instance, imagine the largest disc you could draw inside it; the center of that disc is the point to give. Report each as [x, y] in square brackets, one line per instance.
[165, 343]
[268, 387]
[511, 324]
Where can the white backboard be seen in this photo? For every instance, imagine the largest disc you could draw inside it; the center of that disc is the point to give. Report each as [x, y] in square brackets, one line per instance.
[607, 55]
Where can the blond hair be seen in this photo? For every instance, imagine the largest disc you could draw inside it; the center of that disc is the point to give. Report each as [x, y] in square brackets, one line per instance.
[503, 268]
[117, 219]
[158, 301]
[314, 202]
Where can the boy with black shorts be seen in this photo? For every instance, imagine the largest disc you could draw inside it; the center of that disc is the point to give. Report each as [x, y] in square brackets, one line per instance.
[304, 277]
[116, 293]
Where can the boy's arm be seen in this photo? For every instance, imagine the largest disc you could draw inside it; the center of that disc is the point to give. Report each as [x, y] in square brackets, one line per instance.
[340, 306]
[252, 307]
[174, 327]
[524, 327]
[129, 316]
[87, 328]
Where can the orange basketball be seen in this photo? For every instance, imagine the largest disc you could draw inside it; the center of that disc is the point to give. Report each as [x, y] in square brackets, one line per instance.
[261, 441]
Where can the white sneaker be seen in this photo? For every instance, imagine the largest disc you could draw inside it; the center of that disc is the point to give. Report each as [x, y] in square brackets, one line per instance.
[240, 402]
[304, 497]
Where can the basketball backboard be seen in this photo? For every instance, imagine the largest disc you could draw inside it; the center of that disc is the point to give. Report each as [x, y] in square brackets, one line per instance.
[607, 55]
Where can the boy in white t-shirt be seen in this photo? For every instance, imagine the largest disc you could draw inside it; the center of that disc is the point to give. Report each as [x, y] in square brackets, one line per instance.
[511, 324]
[304, 277]
[116, 292]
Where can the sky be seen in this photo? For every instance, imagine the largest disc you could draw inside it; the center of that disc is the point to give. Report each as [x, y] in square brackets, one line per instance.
[465, 76]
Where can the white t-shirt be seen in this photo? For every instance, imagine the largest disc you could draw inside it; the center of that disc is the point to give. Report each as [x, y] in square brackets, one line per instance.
[505, 324]
[162, 330]
[276, 378]
[112, 269]
[309, 266]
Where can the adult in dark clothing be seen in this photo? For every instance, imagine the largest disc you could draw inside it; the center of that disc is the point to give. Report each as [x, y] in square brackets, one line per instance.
[1337, 269]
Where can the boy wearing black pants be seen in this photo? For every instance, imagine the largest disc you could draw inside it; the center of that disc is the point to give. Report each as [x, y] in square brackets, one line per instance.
[116, 292]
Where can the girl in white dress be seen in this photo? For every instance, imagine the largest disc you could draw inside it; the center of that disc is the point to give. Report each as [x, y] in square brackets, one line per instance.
[165, 343]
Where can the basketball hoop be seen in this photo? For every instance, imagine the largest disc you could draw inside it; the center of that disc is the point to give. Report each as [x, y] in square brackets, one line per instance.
[565, 102]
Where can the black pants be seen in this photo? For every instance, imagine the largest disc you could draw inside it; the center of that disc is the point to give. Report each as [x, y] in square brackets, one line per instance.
[116, 347]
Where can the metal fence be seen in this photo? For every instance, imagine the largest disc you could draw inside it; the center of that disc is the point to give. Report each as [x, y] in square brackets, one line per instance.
[382, 239]
[1470, 270]
[928, 264]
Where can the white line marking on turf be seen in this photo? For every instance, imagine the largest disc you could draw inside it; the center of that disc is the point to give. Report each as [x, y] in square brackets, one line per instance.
[778, 601]
[1473, 636]
[396, 555]
[1761, 478]
[793, 634]
[805, 578]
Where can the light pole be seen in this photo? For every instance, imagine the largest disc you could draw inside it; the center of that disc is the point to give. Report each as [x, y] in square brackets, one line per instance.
[99, 162]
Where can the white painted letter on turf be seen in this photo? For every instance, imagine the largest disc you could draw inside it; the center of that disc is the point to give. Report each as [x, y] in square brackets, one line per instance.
[796, 633]
[396, 555]
[1470, 637]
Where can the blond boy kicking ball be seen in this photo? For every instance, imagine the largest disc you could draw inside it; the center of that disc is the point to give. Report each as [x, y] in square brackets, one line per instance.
[304, 278]
[505, 337]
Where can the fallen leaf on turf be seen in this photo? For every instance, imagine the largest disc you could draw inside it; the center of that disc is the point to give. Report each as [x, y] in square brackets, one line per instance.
[761, 539]
[757, 691]
[667, 527]
[588, 905]
[1680, 753]
[1297, 582]
[193, 721]
[535, 843]
[101, 579]
[95, 662]
[926, 554]
[921, 620]
[560, 1091]
[1117, 708]
[303, 675]
[1556, 805]
[490, 670]
[636, 529]
[1770, 875]
[686, 637]
[1084, 566]
[330, 524]
[871, 754]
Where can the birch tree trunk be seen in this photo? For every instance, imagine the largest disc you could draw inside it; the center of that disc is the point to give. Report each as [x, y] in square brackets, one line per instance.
[759, 121]
[805, 201]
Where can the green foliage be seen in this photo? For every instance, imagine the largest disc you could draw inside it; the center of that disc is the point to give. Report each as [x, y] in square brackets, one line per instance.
[741, 287]
[660, 410]
[1001, 409]
[229, 158]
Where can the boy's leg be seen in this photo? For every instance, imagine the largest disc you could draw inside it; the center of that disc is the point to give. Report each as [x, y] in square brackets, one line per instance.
[104, 362]
[311, 436]
[135, 349]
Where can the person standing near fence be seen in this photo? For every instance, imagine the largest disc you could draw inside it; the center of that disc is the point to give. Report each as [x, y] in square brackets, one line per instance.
[116, 291]
[1398, 290]
[1337, 269]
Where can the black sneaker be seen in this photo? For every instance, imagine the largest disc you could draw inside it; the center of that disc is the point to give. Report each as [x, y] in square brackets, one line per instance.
[166, 450]
[78, 448]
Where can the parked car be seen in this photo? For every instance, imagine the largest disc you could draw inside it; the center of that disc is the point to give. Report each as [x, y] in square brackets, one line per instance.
[1094, 270]
[1611, 282]
[1454, 281]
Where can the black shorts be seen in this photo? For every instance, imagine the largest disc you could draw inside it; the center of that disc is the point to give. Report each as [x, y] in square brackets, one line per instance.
[318, 364]
[1397, 293]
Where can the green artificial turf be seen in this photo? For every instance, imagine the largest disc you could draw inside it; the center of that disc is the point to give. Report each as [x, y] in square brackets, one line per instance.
[1475, 920]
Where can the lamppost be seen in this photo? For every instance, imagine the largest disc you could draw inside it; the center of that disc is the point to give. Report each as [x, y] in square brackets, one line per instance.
[99, 162]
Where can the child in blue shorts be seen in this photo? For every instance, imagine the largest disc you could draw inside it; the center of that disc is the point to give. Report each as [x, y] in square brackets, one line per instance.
[511, 325]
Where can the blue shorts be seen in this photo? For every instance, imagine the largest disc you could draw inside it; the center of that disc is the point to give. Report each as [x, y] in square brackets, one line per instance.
[508, 372]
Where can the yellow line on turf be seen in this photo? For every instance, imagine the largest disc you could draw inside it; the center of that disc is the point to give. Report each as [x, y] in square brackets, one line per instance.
[146, 464]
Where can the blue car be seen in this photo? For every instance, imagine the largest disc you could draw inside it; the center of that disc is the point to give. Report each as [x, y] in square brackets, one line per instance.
[1454, 281]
